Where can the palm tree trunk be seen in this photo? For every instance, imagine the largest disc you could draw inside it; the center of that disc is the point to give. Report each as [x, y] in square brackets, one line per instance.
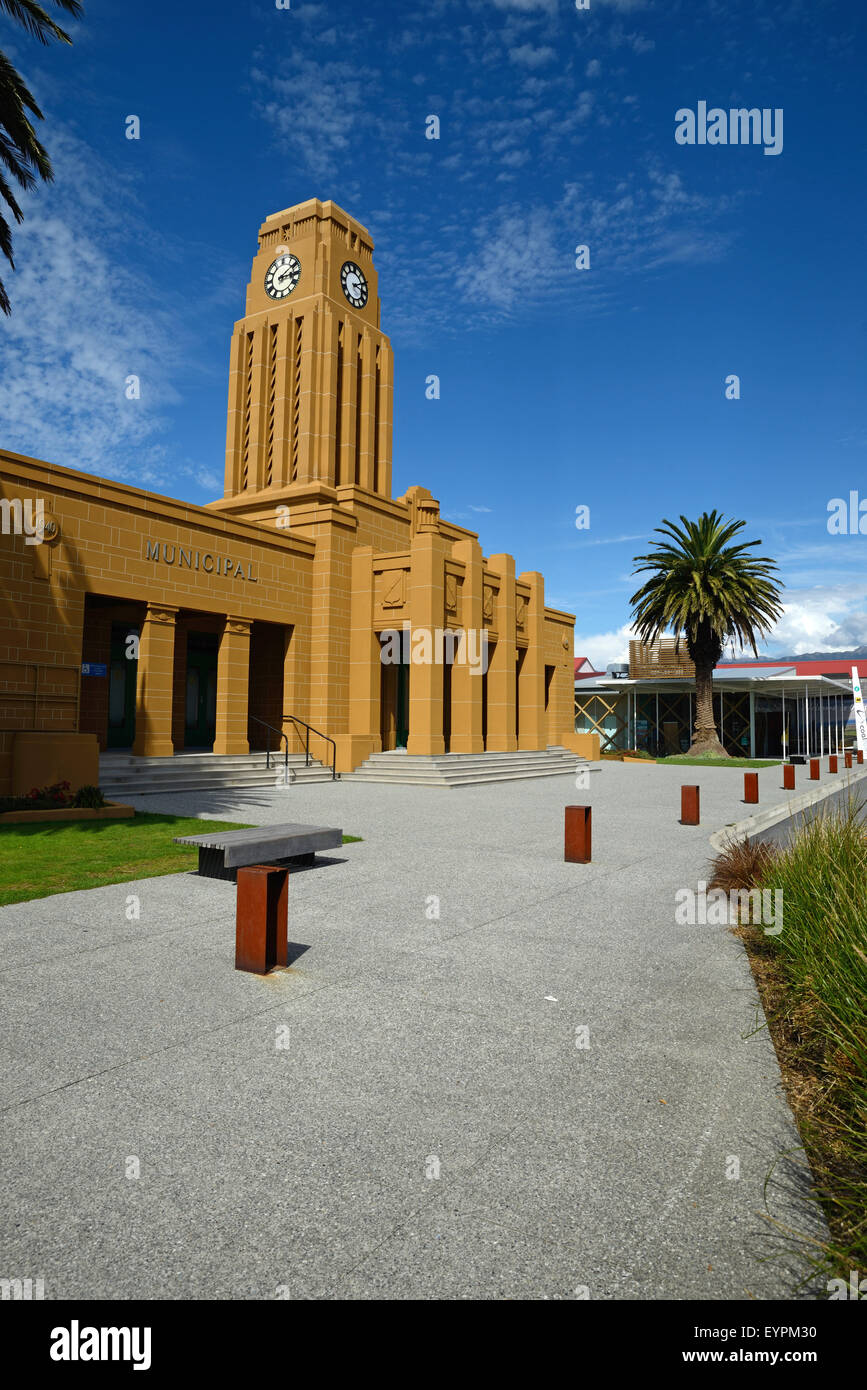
[705, 738]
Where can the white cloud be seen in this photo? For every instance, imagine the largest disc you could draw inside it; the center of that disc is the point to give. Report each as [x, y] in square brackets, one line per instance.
[531, 57]
[85, 318]
[516, 249]
[602, 648]
[824, 618]
[316, 109]
[527, 6]
[593, 68]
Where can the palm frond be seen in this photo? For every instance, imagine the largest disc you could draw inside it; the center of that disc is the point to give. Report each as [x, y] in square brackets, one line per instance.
[22, 154]
[701, 586]
[38, 22]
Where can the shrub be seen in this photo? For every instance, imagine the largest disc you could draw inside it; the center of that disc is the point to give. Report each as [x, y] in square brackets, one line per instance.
[89, 796]
[813, 978]
[741, 865]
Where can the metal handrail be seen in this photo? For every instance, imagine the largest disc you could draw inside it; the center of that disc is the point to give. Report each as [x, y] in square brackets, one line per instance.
[280, 734]
[310, 730]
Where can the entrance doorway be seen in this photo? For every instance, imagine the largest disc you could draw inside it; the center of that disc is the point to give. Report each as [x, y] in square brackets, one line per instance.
[200, 701]
[447, 706]
[394, 704]
[122, 678]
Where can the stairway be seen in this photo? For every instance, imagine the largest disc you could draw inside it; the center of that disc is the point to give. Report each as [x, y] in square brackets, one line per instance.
[465, 769]
[123, 774]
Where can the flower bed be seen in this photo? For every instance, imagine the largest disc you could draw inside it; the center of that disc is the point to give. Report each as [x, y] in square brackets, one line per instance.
[57, 803]
[112, 810]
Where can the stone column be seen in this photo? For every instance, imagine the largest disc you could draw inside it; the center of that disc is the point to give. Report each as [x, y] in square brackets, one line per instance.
[501, 672]
[233, 675]
[153, 700]
[386, 411]
[531, 681]
[296, 683]
[467, 682]
[561, 697]
[364, 663]
[330, 622]
[235, 417]
[367, 411]
[426, 611]
[310, 339]
[257, 422]
[324, 465]
[349, 403]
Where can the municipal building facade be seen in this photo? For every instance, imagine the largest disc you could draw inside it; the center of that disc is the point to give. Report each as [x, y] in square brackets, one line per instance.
[131, 620]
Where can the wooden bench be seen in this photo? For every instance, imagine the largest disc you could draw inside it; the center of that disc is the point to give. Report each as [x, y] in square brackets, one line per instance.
[222, 854]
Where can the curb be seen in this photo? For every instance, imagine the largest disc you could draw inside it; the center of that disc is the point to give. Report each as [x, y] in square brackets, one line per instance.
[786, 810]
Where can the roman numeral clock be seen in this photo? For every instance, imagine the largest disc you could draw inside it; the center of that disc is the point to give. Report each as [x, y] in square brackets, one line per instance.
[354, 284]
[282, 276]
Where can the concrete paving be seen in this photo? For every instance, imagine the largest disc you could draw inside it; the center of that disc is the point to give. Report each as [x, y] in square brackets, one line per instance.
[410, 1110]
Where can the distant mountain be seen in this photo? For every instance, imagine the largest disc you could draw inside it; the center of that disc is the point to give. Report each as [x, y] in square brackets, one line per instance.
[859, 654]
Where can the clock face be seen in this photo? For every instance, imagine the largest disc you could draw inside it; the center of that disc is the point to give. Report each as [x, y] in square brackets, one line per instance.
[354, 284]
[282, 276]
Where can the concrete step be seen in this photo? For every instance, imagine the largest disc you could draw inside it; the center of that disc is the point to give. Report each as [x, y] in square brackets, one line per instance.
[465, 769]
[123, 774]
[457, 780]
[195, 761]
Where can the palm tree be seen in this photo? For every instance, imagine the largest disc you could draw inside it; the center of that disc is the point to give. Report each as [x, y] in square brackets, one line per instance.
[22, 156]
[711, 592]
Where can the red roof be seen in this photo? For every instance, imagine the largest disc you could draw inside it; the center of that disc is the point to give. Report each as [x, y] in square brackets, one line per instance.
[582, 661]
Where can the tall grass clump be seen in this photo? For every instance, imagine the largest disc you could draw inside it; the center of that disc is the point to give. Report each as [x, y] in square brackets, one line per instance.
[819, 1003]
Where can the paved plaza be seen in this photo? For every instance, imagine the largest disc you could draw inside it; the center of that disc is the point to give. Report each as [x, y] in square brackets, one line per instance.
[412, 1110]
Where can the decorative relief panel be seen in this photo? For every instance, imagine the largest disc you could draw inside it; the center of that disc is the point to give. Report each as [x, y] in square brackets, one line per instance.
[391, 589]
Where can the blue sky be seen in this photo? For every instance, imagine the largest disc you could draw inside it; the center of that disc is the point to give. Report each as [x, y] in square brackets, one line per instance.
[602, 387]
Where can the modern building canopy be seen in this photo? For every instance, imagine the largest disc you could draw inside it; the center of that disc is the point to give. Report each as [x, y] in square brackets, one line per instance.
[761, 711]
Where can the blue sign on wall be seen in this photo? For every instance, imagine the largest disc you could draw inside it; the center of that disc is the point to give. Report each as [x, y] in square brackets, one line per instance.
[93, 668]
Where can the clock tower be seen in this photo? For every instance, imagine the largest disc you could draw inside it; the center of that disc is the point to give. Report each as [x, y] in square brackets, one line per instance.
[310, 387]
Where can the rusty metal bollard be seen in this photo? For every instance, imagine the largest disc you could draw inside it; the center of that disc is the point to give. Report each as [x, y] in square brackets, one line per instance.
[751, 788]
[832, 763]
[578, 835]
[848, 759]
[814, 770]
[689, 806]
[262, 918]
[789, 777]
[860, 755]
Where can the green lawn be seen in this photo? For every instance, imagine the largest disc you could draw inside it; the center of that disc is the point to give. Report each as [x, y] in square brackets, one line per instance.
[44, 857]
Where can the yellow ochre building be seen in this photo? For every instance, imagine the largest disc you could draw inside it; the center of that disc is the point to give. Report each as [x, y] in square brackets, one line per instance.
[306, 599]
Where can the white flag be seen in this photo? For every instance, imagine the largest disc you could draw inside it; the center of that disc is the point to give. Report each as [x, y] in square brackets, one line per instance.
[860, 715]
